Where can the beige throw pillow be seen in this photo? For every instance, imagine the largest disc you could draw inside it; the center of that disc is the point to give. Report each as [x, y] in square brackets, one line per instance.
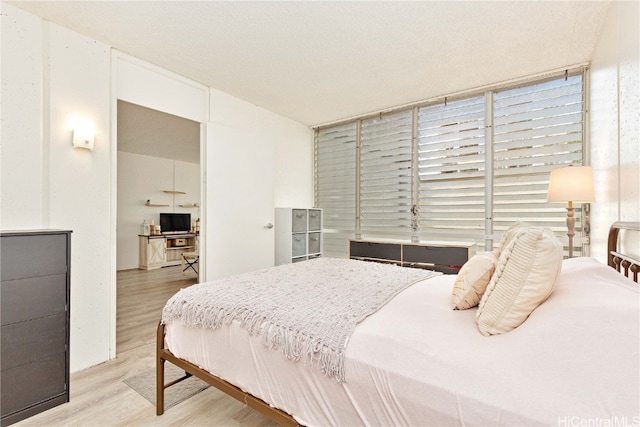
[472, 280]
[511, 233]
[525, 275]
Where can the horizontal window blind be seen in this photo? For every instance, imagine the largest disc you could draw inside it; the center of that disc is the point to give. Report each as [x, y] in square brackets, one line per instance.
[451, 167]
[335, 186]
[458, 170]
[537, 128]
[386, 174]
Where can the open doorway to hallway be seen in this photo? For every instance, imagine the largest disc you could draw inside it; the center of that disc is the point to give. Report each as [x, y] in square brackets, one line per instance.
[158, 176]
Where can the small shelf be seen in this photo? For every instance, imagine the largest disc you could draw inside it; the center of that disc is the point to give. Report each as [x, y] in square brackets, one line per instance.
[177, 248]
[173, 192]
[148, 203]
[298, 234]
[190, 205]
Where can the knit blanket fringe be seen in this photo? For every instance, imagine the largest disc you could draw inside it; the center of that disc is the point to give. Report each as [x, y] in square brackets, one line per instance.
[307, 309]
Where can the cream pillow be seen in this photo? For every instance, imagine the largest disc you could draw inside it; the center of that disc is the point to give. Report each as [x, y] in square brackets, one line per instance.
[511, 233]
[525, 275]
[472, 280]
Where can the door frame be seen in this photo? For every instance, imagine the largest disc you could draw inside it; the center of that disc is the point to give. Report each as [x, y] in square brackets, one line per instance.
[145, 84]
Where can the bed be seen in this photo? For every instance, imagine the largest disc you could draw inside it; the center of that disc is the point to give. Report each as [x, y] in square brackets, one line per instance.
[574, 359]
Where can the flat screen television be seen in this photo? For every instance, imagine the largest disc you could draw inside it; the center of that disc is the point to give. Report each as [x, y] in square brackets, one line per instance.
[175, 223]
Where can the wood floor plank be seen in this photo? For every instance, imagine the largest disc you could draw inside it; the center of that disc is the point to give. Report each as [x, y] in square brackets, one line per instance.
[98, 395]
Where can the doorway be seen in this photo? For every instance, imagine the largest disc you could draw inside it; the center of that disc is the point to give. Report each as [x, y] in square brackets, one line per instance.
[158, 172]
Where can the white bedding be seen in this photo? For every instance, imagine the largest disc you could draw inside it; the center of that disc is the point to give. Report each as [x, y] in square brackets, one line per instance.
[415, 362]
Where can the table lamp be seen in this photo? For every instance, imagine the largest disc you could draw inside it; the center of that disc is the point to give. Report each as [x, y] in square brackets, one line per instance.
[571, 184]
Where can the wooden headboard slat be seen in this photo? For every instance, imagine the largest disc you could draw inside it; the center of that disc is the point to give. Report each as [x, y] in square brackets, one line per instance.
[625, 264]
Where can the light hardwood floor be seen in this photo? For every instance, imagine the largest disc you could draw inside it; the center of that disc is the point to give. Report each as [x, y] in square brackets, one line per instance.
[98, 395]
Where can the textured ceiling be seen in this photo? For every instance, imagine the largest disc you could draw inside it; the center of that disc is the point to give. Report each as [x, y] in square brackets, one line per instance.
[320, 61]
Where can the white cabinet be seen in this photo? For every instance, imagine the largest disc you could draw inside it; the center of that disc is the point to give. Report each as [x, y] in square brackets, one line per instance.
[298, 234]
[165, 250]
[153, 252]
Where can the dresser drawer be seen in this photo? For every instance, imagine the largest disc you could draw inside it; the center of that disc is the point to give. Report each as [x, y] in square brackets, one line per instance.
[32, 383]
[33, 298]
[27, 342]
[438, 255]
[33, 256]
[381, 251]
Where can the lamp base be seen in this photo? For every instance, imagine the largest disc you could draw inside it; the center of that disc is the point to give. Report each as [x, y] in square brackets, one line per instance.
[571, 225]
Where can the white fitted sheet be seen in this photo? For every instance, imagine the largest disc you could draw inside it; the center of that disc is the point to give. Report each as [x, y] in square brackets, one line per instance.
[418, 362]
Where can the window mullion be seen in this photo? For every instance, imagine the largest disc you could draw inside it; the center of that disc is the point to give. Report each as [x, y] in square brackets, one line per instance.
[358, 231]
[488, 159]
[415, 178]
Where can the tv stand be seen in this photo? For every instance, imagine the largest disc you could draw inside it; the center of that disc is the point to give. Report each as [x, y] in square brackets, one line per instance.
[165, 250]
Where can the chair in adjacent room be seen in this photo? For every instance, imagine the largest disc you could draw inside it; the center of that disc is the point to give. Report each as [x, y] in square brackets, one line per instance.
[190, 262]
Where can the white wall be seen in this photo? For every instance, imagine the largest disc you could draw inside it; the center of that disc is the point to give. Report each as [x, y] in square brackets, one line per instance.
[49, 76]
[52, 76]
[22, 149]
[142, 178]
[144, 84]
[256, 161]
[293, 180]
[615, 123]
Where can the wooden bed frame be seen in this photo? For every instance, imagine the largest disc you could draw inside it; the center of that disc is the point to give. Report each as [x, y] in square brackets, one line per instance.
[622, 263]
[163, 355]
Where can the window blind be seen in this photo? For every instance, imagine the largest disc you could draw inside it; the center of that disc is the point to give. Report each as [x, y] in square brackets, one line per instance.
[452, 170]
[461, 169]
[386, 175]
[335, 186]
[537, 128]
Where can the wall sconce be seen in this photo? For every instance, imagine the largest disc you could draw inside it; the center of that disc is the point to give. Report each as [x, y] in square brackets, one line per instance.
[571, 184]
[84, 135]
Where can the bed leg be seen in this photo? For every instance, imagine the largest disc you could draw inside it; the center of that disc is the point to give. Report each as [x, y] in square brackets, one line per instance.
[160, 371]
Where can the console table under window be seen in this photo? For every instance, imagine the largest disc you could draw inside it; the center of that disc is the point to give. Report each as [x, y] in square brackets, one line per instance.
[446, 257]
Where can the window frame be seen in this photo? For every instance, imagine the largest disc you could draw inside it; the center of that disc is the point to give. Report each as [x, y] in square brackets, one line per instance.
[485, 238]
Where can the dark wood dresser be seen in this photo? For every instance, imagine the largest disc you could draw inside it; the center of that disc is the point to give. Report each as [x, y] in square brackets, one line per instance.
[34, 312]
[445, 257]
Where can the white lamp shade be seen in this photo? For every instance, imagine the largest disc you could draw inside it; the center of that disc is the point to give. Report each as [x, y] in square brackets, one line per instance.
[571, 184]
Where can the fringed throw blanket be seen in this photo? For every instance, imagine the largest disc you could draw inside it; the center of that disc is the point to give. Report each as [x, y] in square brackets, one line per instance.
[309, 309]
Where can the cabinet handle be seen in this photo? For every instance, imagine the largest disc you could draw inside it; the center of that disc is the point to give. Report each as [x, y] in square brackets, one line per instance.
[269, 225]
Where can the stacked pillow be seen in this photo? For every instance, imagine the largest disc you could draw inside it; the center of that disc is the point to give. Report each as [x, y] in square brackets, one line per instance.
[509, 286]
[472, 280]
